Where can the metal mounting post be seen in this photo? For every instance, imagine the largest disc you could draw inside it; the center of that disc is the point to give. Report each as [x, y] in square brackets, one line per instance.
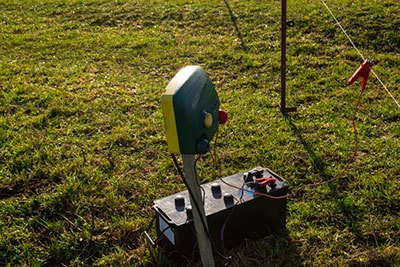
[206, 252]
[284, 109]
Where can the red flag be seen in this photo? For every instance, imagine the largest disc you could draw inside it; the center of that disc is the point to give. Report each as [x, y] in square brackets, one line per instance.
[363, 71]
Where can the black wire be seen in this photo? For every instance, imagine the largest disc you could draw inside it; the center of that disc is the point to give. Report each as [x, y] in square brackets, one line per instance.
[152, 247]
[162, 232]
[197, 180]
[151, 222]
[190, 193]
[145, 232]
[214, 247]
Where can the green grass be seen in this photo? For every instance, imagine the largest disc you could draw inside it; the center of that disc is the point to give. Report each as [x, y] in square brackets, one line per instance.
[83, 152]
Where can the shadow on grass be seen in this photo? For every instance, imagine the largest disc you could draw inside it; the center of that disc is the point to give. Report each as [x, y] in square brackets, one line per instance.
[375, 260]
[235, 24]
[317, 162]
[273, 250]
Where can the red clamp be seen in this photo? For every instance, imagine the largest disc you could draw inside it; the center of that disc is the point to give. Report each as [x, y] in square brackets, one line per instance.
[265, 181]
[363, 71]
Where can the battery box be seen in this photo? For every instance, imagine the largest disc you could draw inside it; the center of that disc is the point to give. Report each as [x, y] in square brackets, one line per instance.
[254, 216]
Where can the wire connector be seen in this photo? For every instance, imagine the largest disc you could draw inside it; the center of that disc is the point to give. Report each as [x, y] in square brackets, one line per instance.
[363, 71]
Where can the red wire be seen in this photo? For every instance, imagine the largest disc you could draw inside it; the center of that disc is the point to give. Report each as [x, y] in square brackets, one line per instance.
[218, 166]
[345, 168]
[353, 156]
[250, 191]
[215, 157]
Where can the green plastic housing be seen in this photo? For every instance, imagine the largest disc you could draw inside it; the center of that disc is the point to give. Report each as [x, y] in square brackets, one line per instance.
[190, 97]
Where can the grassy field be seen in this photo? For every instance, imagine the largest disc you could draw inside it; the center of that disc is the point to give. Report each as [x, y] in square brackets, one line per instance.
[83, 153]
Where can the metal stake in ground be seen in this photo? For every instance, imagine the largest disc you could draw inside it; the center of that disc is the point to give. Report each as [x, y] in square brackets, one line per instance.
[284, 109]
